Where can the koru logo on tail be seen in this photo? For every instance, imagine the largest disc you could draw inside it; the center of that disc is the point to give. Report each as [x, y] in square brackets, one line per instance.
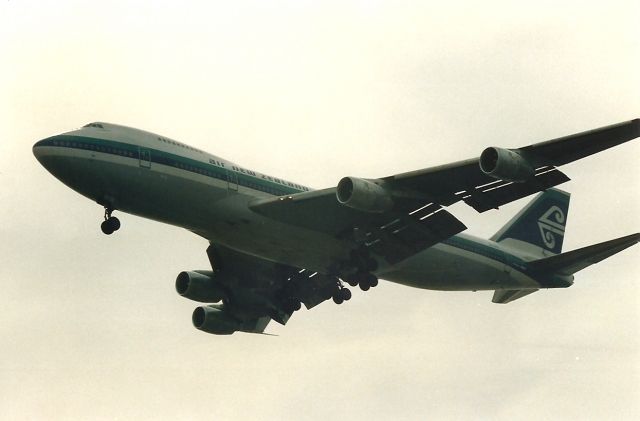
[551, 224]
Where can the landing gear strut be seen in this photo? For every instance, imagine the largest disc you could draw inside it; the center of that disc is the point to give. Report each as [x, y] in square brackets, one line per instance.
[110, 224]
[365, 265]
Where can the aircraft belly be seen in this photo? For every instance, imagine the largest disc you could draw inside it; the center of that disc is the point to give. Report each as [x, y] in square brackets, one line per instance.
[447, 268]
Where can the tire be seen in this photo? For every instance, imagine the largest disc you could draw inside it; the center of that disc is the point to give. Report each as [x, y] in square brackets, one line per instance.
[364, 286]
[346, 294]
[106, 227]
[337, 298]
[114, 223]
[292, 305]
[373, 281]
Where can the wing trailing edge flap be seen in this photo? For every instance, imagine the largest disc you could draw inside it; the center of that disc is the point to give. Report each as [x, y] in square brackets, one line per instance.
[573, 261]
[414, 225]
[501, 192]
[465, 181]
[409, 234]
[504, 296]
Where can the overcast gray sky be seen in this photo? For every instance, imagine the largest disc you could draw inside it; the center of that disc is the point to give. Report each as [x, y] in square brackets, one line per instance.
[91, 325]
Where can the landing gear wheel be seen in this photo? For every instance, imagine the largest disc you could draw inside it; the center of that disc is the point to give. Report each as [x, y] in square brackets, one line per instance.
[346, 294]
[292, 305]
[337, 298]
[352, 282]
[114, 222]
[110, 224]
[106, 227]
[364, 286]
[372, 280]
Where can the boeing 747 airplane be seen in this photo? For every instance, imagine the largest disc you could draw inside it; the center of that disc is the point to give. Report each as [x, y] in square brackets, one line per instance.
[275, 244]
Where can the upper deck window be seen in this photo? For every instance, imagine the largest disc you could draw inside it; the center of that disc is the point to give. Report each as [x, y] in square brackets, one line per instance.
[96, 125]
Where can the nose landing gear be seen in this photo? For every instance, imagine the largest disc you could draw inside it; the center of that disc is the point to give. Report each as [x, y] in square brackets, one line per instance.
[110, 224]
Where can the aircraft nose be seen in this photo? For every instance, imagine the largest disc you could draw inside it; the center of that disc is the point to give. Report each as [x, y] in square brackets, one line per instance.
[44, 152]
[38, 147]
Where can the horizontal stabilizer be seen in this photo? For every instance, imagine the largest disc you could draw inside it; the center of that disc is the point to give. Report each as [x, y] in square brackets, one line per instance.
[504, 296]
[573, 261]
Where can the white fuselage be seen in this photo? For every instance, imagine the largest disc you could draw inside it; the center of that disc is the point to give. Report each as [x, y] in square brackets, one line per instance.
[157, 178]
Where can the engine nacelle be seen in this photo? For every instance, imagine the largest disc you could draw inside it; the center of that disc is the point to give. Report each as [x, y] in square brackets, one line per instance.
[506, 164]
[199, 286]
[215, 320]
[363, 195]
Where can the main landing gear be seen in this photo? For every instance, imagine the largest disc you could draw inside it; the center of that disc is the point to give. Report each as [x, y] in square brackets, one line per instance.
[292, 304]
[364, 279]
[341, 295]
[110, 224]
[364, 265]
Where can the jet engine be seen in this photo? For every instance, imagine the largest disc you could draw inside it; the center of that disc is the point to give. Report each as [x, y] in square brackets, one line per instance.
[363, 195]
[506, 164]
[199, 286]
[215, 320]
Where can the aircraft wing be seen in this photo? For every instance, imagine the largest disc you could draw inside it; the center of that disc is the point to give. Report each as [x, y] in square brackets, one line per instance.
[465, 180]
[413, 225]
[400, 215]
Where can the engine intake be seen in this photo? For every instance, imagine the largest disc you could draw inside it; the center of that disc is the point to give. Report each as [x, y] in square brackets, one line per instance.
[214, 320]
[506, 164]
[200, 286]
[363, 195]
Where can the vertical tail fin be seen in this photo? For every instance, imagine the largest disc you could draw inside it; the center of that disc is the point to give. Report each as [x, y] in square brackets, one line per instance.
[539, 227]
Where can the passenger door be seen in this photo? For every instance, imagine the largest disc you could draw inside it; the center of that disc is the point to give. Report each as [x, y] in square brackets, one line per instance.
[145, 157]
[232, 180]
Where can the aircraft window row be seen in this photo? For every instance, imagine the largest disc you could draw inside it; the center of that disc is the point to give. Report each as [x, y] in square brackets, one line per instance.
[173, 142]
[96, 125]
[199, 171]
[255, 186]
[244, 183]
[93, 147]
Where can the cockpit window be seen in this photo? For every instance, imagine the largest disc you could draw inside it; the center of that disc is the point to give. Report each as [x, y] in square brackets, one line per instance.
[96, 125]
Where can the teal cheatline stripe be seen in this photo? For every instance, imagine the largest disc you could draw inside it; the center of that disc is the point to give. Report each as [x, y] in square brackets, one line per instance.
[508, 259]
[165, 158]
